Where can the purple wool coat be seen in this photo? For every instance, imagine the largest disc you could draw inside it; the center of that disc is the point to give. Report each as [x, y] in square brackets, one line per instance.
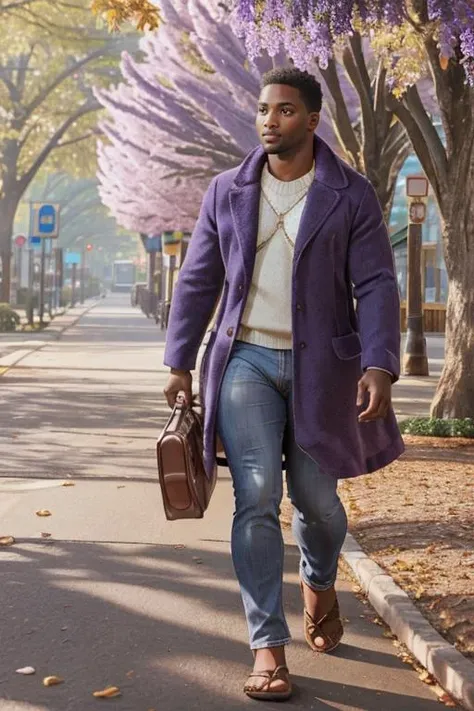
[342, 252]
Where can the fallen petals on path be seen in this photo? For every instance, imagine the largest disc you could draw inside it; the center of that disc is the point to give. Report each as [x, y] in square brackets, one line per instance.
[43, 512]
[6, 540]
[109, 693]
[26, 670]
[52, 680]
[68, 483]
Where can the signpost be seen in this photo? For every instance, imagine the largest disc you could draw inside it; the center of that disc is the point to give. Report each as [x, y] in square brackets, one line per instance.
[44, 224]
[415, 361]
[19, 241]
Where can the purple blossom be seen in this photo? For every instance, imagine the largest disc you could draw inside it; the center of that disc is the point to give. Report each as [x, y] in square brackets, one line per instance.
[312, 26]
[246, 10]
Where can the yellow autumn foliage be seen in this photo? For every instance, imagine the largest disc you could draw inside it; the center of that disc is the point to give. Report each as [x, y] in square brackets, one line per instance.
[142, 13]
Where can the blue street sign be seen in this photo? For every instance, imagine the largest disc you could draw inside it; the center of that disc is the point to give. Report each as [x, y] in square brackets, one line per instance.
[44, 220]
[35, 241]
[72, 258]
[47, 220]
[153, 244]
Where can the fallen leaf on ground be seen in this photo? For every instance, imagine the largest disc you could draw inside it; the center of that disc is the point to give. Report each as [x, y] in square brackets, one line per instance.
[388, 634]
[179, 546]
[26, 670]
[443, 697]
[68, 483]
[43, 512]
[197, 560]
[7, 540]
[130, 673]
[447, 701]
[52, 680]
[426, 677]
[109, 693]
[420, 592]
[45, 535]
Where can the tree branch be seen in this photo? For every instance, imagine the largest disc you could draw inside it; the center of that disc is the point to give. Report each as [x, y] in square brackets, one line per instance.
[25, 60]
[62, 144]
[383, 117]
[53, 142]
[354, 64]
[28, 132]
[342, 123]
[15, 4]
[62, 76]
[12, 89]
[419, 144]
[435, 146]
[398, 145]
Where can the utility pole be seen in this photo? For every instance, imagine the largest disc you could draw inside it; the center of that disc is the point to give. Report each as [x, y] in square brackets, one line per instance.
[415, 361]
[42, 280]
[73, 284]
[83, 272]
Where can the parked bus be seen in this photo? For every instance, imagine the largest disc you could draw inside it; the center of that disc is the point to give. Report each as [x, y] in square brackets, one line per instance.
[123, 275]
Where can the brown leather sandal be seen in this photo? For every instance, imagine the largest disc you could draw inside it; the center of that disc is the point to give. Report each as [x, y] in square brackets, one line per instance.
[329, 627]
[263, 691]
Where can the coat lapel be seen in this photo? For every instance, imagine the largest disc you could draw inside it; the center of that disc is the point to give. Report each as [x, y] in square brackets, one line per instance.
[244, 199]
[244, 207]
[320, 202]
[323, 196]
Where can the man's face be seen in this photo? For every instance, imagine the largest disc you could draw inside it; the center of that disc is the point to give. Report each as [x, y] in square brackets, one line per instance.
[283, 121]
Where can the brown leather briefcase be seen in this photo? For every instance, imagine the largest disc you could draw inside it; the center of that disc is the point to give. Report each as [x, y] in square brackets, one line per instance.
[185, 487]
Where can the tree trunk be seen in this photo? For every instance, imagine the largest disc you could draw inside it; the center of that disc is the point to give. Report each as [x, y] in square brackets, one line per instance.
[455, 394]
[8, 208]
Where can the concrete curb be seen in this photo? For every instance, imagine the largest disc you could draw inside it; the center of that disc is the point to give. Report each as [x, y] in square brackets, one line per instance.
[453, 671]
[63, 323]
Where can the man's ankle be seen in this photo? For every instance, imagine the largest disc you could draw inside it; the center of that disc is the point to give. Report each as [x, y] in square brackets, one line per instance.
[270, 657]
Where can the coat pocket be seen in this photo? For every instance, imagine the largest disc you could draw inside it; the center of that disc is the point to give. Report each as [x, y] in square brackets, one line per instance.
[348, 346]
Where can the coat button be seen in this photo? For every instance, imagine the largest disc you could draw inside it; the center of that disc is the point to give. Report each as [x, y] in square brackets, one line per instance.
[230, 332]
[302, 345]
[299, 307]
[241, 288]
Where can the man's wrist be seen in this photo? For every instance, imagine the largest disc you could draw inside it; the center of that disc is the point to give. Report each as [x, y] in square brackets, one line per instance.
[382, 370]
[176, 371]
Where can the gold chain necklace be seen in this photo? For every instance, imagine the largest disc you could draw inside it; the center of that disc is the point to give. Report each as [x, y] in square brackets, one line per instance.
[280, 224]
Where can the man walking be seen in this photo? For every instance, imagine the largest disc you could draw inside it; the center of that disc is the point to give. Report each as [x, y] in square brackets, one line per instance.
[289, 241]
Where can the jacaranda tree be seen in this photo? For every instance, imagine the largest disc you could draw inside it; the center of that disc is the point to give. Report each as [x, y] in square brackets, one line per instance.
[193, 97]
[412, 38]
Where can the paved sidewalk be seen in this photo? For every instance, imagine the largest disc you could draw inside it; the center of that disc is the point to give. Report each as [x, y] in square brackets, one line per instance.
[117, 595]
[412, 395]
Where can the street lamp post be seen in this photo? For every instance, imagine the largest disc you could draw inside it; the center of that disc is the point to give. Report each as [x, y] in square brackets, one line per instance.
[83, 273]
[415, 361]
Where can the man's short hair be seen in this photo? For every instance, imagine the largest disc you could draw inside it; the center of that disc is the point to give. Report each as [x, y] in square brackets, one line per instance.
[308, 86]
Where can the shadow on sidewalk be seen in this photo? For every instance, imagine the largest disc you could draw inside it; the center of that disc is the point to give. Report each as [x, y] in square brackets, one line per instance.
[163, 626]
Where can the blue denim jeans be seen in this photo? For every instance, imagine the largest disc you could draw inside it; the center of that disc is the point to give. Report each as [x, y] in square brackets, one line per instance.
[255, 424]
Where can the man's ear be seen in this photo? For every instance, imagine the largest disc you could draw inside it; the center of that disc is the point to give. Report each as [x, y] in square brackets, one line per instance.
[313, 120]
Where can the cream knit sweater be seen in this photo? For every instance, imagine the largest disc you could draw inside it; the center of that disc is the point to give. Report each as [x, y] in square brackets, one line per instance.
[266, 320]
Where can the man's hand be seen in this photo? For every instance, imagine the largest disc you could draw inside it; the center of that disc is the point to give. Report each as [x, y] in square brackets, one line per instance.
[379, 386]
[179, 381]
